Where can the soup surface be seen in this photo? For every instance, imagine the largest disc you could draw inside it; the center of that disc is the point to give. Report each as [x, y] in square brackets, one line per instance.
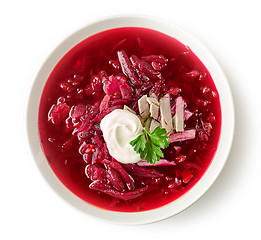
[91, 81]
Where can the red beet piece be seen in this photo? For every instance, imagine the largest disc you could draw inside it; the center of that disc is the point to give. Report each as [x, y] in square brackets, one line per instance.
[104, 79]
[203, 136]
[87, 157]
[186, 175]
[115, 64]
[146, 86]
[155, 58]
[113, 86]
[98, 141]
[116, 107]
[151, 181]
[180, 158]
[119, 102]
[58, 113]
[135, 62]
[201, 102]
[172, 184]
[174, 91]
[115, 179]
[156, 66]
[191, 76]
[106, 152]
[77, 79]
[101, 187]
[205, 91]
[187, 115]
[104, 106]
[211, 118]
[99, 117]
[125, 176]
[77, 111]
[86, 148]
[66, 87]
[86, 126]
[96, 84]
[207, 127]
[126, 91]
[191, 165]
[71, 83]
[142, 172]
[104, 109]
[95, 172]
[127, 69]
[85, 135]
[148, 70]
[177, 149]
[121, 78]
[88, 90]
[97, 156]
[157, 87]
[97, 129]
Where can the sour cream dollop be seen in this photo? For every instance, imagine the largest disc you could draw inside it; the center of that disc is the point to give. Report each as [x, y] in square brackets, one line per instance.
[119, 128]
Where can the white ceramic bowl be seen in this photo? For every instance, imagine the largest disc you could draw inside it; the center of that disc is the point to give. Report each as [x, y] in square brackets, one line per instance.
[227, 127]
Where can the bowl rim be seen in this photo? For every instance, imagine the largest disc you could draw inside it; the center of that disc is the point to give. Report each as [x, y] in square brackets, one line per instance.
[227, 122]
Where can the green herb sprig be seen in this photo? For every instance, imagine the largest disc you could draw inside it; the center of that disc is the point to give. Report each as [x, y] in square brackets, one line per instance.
[149, 145]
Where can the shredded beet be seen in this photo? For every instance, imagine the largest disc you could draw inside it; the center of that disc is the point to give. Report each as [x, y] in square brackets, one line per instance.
[127, 69]
[177, 149]
[157, 87]
[187, 115]
[135, 62]
[86, 126]
[125, 176]
[113, 86]
[142, 172]
[115, 179]
[77, 111]
[98, 141]
[148, 70]
[116, 102]
[58, 113]
[155, 58]
[126, 91]
[156, 66]
[104, 106]
[95, 172]
[101, 187]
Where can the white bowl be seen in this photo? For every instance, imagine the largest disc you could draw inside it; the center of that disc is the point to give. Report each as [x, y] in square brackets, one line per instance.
[227, 125]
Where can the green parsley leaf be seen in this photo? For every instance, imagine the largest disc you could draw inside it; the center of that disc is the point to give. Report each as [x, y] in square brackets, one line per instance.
[138, 143]
[149, 145]
[158, 137]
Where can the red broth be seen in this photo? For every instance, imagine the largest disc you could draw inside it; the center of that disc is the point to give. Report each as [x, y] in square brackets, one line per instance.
[75, 89]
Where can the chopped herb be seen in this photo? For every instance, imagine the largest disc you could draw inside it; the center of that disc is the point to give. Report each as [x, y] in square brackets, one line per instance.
[149, 145]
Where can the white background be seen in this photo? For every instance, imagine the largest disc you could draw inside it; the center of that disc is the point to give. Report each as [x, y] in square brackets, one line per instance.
[30, 31]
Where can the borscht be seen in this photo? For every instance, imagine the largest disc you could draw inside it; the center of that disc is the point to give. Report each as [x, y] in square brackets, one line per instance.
[129, 119]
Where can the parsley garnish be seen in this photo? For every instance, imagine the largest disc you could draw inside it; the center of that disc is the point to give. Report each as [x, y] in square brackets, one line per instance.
[149, 145]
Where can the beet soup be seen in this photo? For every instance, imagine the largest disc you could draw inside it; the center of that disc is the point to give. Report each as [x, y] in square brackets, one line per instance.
[121, 70]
